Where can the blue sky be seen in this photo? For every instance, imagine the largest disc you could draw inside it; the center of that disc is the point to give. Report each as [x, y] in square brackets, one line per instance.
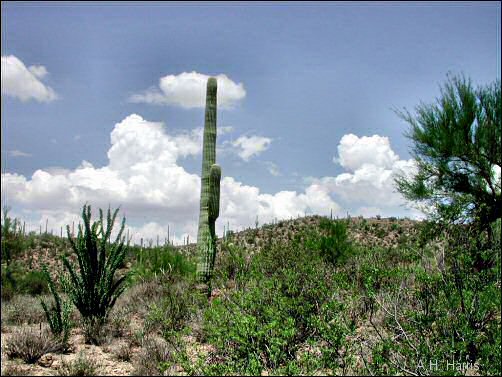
[309, 74]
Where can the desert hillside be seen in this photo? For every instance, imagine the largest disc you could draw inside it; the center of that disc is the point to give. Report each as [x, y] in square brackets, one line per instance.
[304, 296]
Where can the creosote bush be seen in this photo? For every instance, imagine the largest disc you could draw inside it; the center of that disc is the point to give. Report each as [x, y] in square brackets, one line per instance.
[282, 305]
[331, 240]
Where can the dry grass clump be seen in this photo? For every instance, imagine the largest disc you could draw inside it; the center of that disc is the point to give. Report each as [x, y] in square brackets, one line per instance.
[118, 323]
[81, 366]
[139, 297]
[23, 309]
[14, 370]
[123, 352]
[153, 352]
[29, 345]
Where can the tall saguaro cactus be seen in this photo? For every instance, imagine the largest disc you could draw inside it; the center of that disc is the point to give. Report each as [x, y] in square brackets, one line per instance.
[209, 194]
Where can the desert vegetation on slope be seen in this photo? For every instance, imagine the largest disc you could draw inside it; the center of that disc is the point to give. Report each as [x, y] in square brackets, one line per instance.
[401, 301]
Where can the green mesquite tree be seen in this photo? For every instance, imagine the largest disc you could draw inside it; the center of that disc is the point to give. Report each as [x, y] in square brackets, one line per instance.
[209, 193]
[457, 147]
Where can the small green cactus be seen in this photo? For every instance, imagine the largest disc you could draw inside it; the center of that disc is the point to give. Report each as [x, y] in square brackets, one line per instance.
[209, 194]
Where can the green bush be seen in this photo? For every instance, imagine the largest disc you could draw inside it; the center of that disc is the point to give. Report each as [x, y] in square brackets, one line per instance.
[157, 261]
[32, 283]
[175, 308]
[12, 245]
[449, 314]
[12, 239]
[232, 264]
[17, 280]
[279, 308]
[331, 241]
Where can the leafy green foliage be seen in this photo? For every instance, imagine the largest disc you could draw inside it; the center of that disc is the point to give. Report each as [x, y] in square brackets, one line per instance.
[92, 288]
[32, 283]
[457, 313]
[281, 306]
[450, 313]
[16, 279]
[331, 241]
[12, 238]
[166, 260]
[12, 245]
[457, 146]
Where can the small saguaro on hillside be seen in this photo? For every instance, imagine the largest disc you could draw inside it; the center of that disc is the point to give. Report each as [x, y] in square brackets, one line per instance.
[209, 194]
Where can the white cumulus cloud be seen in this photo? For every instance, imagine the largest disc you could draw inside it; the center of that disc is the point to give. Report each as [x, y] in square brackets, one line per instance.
[24, 83]
[249, 146]
[354, 152]
[144, 177]
[154, 192]
[368, 185]
[188, 90]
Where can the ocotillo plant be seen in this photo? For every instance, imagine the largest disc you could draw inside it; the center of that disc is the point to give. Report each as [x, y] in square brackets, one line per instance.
[92, 286]
[58, 315]
[209, 194]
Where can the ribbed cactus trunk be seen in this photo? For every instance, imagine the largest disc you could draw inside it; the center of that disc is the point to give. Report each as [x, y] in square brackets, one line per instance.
[209, 194]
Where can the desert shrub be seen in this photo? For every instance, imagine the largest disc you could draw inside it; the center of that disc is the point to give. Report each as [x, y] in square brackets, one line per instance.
[171, 313]
[263, 325]
[123, 352]
[49, 241]
[118, 322]
[16, 279]
[154, 353]
[12, 239]
[139, 297]
[449, 319]
[14, 370]
[8, 291]
[232, 264]
[22, 309]
[377, 269]
[331, 241]
[9, 283]
[12, 246]
[158, 261]
[81, 366]
[29, 345]
[32, 283]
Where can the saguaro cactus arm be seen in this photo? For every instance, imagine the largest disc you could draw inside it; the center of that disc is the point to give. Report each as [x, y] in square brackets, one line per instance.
[214, 192]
